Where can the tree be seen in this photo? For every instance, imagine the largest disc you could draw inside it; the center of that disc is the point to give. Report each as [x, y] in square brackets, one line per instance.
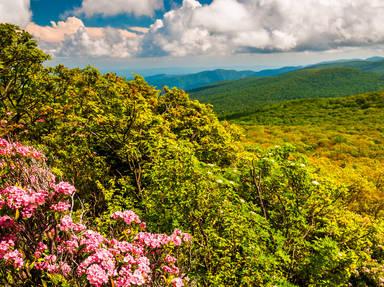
[21, 77]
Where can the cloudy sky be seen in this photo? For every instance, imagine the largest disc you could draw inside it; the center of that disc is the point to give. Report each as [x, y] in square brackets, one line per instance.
[181, 35]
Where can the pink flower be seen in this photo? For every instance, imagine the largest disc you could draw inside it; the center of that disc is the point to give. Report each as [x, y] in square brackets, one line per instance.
[69, 246]
[61, 206]
[41, 247]
[25, 199]
[96, 275]
[177, 282]
[127, 216]
[5, 246]
[3, 143]
[91, 240]
[66, 224]
[64, 188]
[14, 258]
[170, 259]
[6, 221]
[65, 269]
[170, 270]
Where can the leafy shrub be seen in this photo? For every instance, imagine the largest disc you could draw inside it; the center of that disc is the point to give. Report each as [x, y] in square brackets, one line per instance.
[40, 242]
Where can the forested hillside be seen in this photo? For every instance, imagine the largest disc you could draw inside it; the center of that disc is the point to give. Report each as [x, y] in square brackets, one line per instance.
[197, 80]
[205, 78]
[374, 64]
[343, 138]
[234, 99]
[162, 193]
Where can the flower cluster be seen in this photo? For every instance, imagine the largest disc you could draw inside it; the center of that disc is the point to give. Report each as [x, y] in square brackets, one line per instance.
[81, 255]
[17, 198]
[16, 149]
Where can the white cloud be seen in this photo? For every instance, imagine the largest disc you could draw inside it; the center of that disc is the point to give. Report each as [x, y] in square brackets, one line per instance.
[223, 27]
[114, 7]
[72, 38]
[15, 11]
[233, 26]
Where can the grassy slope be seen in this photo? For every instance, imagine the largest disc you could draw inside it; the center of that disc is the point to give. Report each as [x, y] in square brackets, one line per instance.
[235, 99]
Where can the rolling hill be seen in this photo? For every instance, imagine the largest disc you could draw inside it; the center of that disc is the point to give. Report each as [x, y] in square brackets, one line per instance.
[197, 80]
[234, 99]
[374, 64]
[366, 109]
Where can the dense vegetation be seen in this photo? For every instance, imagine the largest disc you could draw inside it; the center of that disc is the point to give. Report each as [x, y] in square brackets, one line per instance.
[257, 217]
[374, 64]
[239, 98]
[343, 137]
[40, 242]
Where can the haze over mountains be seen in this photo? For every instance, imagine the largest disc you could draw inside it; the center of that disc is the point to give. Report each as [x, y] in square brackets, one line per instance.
[197, 80]
[209, 77]
[235, 94]
[237, 98]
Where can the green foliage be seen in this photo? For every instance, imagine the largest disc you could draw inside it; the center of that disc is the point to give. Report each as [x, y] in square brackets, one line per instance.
[21, 78]
[374, 64]
[318, 240]
[235, 99]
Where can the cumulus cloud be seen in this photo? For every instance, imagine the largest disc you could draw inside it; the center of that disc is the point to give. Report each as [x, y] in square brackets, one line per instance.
[223, 27]
[90, 8]
[233, 26]
[15, 11]
[73, 38]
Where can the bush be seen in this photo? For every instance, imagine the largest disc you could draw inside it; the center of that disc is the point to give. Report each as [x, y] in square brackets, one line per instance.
[40, 241]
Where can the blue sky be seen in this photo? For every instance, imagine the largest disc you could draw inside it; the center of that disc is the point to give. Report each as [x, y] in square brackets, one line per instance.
[45, 11]
[151, 36]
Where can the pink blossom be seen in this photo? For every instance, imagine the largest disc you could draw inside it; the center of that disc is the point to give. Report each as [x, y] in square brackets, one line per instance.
[6, 221]
[64, 188]
[5, 246]
[61, 206]
[96, 275]
[64, 268]
[170, 259]
[41, 247]
[14, 258]
[3, 143]
[170, 270]
[127, 216]
[66, 224]
[177, 282]
[26, 200]
[91, 240]
[70, 246]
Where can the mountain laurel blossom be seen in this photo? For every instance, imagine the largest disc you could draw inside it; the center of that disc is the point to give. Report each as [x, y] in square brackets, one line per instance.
[38, 235]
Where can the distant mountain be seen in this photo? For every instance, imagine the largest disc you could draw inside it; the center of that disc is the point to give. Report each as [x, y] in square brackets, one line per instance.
[205, 78]
[276, 72]
[375, 59]
[238, 98]
[192, 81]
[373, 64]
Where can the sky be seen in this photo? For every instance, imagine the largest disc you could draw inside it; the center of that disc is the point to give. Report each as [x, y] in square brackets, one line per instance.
[178, 36]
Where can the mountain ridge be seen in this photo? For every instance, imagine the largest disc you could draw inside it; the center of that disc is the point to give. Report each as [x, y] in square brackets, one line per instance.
[234, 98]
